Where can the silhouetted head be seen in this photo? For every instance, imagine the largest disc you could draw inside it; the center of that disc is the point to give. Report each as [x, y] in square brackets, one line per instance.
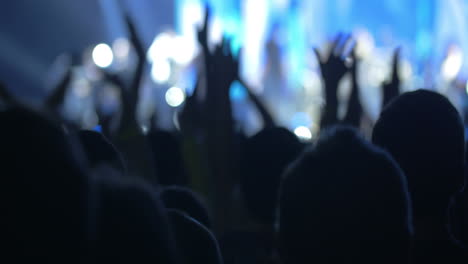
[425, 135]
[100, 151]
[132, 224]
[168, 159]
[45, 191]
[187, 201]
[263, 160]
[195, 243]
[344, 201]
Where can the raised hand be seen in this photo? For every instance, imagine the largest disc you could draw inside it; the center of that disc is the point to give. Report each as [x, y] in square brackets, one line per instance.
[128, 136]
[222, 68]
[141, 54]
[391, 88]
[130, 93]
[354, 112]
[190, 117]
[268, 120]
[203, 31]
[333, 67]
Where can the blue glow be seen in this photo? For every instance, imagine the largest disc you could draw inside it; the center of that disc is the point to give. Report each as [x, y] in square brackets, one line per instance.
[300, 119]
[237, 92]
[98, 128]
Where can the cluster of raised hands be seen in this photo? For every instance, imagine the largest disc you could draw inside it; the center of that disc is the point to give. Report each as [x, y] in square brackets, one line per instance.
[333, 66]
[207, 120]
[221, 68]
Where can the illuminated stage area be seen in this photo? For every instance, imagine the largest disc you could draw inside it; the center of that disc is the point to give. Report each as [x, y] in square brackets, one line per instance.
[277, 59]
[278, 37]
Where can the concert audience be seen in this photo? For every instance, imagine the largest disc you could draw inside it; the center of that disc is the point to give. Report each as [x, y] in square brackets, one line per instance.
[122, 196]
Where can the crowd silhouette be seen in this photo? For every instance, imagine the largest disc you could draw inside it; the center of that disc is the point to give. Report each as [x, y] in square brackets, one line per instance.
[207, 193]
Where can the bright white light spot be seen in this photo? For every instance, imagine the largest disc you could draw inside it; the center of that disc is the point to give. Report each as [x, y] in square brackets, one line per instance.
[452, 63]
[102, 55]
[183, 50]
[175, 96]
[466, 88]
[161, 48]
[192, 17]
[144, 129]
[121, 48]
[161, 71]
[256, 15]
[303, 133]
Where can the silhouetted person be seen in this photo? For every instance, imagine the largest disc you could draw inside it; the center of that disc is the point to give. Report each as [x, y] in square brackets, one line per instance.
[168, 159]
[187, 201]
[425, 135]
[459, 211]
[100, 151]
[344, 201]
[132, 224]
[263, 158]
[459, 216]
[45, 193]
[196, 244]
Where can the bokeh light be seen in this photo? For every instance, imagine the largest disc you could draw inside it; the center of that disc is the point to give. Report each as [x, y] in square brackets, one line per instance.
[161, 48]
[121, 48]
[183, 50]
[303, 133]
[102, 55]
[453, 63]
[175, 96]
[161, 71]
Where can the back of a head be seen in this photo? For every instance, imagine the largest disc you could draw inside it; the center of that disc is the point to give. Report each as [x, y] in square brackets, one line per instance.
[264, 158]
[168, 159]
[132, 224]
[187, 201]
[424, 133]
[46, 191]
[100, 151]
[195, 243]
[344, 201]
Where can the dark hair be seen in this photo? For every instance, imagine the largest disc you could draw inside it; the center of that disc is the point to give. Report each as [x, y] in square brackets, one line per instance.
[196, 244]
[168, 158]
[100, 151]
[46, 193]
[187, 201]
[263, 160]
[425, 135]
[132, 224]
[344, 200]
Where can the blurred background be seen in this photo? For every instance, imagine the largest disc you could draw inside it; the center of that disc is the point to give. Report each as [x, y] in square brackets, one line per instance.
[277, 39]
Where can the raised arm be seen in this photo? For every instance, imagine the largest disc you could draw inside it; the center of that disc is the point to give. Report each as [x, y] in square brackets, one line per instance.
[355, 110]
[267, 118]
[332, 67]
[391, 88]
